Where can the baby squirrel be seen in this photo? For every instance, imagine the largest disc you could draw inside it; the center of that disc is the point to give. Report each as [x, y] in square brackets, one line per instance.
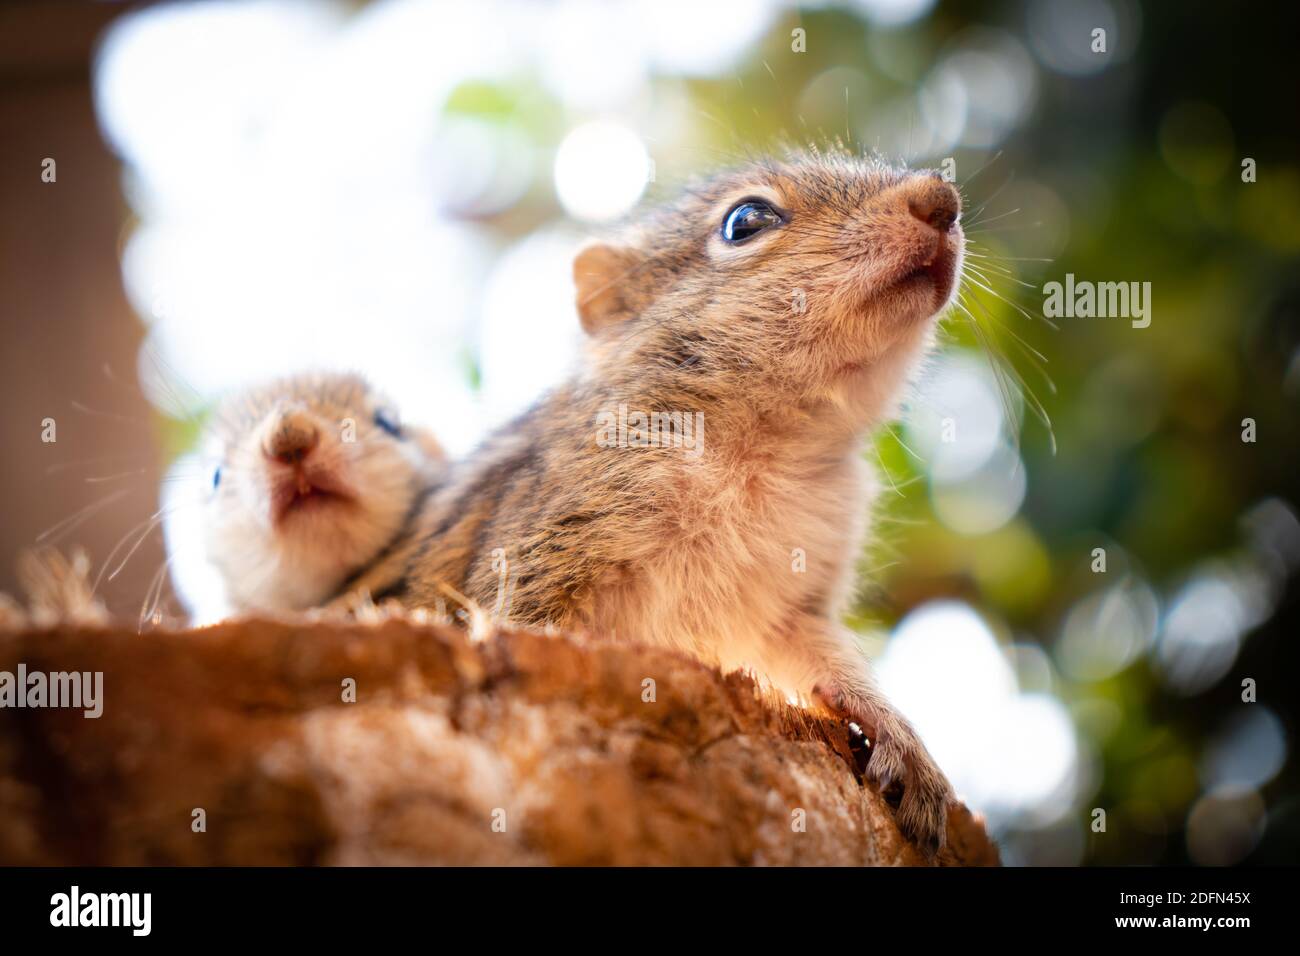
[789, 302]
[315, 478]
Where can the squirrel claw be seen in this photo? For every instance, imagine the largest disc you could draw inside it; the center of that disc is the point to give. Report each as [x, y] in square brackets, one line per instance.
[899, 767]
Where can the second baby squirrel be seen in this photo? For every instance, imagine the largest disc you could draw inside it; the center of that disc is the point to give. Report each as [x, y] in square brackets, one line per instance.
[768, 320]
[313, 478]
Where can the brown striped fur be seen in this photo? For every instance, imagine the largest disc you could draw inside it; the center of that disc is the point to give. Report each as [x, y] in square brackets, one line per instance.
[547, 527]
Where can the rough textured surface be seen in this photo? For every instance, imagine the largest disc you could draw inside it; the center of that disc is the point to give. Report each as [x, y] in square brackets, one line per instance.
[546, 735]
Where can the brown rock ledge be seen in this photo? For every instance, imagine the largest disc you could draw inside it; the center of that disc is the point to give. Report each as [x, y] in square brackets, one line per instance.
[548, 735]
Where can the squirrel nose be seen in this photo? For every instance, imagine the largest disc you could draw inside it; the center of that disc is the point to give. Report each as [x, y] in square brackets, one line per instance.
[290, 437]
[935, 202]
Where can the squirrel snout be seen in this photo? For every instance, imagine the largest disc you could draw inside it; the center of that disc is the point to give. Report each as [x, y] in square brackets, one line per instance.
[934, 201]
[290, 436]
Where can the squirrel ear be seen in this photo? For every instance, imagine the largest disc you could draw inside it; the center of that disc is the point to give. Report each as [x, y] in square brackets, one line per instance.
[600, 274]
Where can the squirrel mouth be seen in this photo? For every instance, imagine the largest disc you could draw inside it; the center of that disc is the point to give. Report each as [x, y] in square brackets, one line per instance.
[938, 271]
[302, 492]
[920, 272]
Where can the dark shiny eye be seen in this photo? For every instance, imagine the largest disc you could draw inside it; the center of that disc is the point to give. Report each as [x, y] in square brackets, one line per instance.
[748, 219]
[388, 422]
[216, 478]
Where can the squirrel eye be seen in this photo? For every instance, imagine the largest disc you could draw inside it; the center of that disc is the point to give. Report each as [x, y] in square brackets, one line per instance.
[216, 478]
[747, 219]
[388, 422]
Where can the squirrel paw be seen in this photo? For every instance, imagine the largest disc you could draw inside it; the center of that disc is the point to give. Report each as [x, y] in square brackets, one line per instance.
[900, 767]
